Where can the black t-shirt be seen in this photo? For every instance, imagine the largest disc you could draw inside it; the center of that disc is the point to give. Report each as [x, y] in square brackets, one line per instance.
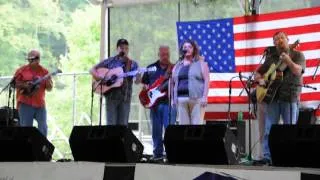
[289, 90]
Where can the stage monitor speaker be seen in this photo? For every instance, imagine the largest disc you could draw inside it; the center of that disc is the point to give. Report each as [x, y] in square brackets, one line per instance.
[295, 145]
[8, 116]
[201, 144]
[24, 144]
[306, 116]
[105, 144]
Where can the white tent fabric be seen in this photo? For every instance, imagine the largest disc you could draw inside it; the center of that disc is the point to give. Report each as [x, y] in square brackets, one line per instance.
[116, 3]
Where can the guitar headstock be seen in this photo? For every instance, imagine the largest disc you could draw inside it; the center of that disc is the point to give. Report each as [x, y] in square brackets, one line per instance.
[152, 69]
[295, 44]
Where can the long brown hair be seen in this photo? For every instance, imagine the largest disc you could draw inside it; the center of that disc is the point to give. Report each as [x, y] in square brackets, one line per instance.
[196, 50]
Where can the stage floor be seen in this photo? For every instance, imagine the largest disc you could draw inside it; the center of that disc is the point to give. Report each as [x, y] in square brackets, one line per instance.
[146, 171]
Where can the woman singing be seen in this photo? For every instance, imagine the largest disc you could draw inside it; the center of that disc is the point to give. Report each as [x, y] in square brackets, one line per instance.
[190, 83]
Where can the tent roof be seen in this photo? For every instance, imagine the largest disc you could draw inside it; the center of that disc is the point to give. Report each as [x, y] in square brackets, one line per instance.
[116, 3]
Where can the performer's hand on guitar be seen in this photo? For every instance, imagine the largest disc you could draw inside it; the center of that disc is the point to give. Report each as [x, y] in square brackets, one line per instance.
[261, 82]
[285, 58]
[145, 87]
[49, 84]
[23, 84]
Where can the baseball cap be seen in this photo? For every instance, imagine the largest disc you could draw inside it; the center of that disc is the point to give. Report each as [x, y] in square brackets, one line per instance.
[122, 42]
[33, 54]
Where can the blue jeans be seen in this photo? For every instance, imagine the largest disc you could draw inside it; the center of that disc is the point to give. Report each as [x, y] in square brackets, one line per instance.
[272, 116]
[27, 113]
[117, 112]
[160, 119]
[173, 117]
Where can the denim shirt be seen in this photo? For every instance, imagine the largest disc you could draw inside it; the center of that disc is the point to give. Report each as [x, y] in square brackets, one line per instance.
[124, 92]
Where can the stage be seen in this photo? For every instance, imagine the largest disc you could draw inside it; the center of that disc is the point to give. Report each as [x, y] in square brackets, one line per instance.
[146, 171]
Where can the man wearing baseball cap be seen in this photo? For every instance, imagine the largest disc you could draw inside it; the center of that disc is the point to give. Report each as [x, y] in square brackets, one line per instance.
[32, 106]
[118, 99]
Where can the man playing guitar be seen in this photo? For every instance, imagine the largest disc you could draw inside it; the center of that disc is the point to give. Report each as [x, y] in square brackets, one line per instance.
[118, 99]
[288, 77]
[32, 106]
[159, 113]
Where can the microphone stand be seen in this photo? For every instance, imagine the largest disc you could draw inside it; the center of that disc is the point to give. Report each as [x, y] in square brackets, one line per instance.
[91, 106]
[229, 99]
[315, 72]
[170, 94]
[99, 85]
[248, 89]
[10, 113]
[266, 51]
[297, 85]
[171, 89]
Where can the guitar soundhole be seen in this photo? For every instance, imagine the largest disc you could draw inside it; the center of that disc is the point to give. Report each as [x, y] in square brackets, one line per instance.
[112, 80]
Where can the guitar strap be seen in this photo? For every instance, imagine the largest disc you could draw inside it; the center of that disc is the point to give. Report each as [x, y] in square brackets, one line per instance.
[128, 65]
[169, 70]
[127, 69]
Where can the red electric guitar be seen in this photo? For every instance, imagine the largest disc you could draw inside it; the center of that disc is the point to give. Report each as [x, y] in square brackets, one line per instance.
[158, 90]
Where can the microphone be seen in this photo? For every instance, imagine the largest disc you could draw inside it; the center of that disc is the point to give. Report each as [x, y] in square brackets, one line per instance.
[240, 75]
[121, 54]
[184, 52]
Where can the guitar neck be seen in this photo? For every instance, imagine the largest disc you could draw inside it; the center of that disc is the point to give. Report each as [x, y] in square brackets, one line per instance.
[44, 78]
[131, 73]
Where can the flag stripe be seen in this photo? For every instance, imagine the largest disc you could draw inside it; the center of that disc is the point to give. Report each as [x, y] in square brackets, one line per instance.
[269, 33]
[277, 15]
[264, 42]
[277, 24]
[211, 116]
[244, 99]
[243, 60]
[259, 51]
[237, 84]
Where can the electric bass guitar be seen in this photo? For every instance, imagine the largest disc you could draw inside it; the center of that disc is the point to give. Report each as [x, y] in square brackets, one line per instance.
[267, 92]
[34, 85]
[114, 78]
[158, 90]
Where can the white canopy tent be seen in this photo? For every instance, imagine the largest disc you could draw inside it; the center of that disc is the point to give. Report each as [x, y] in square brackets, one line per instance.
[118, 3]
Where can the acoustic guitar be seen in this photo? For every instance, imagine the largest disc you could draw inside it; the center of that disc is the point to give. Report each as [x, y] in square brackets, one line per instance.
[34, 85]
[114, 78]
[267, 92]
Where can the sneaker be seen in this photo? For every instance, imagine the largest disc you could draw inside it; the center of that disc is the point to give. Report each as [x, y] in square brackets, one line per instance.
[156, 159]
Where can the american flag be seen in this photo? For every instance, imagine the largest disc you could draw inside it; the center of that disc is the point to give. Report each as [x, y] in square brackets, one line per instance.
[236, 45]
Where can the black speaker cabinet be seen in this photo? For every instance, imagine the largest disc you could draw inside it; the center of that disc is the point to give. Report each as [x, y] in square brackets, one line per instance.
[8, 117]
[295, 145]
[24, 144]
[201, 144]
[105, 144]
[306, 116]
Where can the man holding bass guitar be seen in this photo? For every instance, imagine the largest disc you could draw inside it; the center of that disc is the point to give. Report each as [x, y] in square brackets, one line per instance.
[279, 79]
[32, 104]
[159, 111]
[118, 99]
